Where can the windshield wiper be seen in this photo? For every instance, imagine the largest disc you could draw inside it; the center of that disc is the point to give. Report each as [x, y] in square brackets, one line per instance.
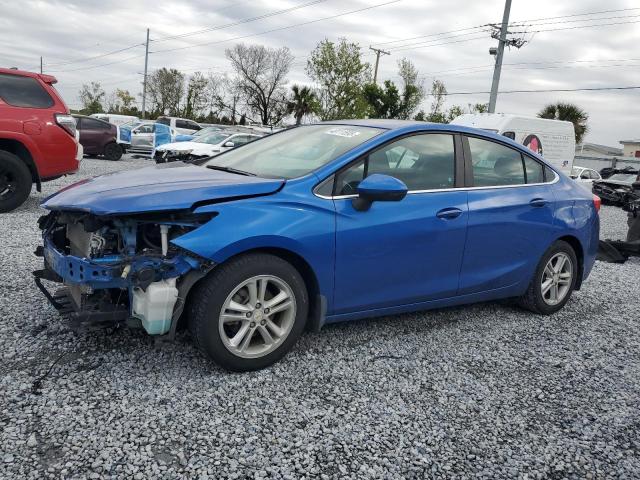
[231, 170]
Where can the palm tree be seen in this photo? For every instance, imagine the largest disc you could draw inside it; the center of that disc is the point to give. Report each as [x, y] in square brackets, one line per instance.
[569, 113]
[303, 102]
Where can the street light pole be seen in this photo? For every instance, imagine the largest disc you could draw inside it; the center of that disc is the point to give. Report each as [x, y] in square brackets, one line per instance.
[498, 66]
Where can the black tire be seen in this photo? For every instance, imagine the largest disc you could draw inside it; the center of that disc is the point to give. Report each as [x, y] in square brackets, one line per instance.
[113, 152]
[15, 182]
[207, 301]
[533, 298]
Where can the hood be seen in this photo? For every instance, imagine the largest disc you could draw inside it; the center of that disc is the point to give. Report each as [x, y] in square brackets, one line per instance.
[196, 148]
[613, 183]
[168, 186]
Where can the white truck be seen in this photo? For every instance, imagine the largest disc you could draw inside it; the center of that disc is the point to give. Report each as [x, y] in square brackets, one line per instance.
[553, 139]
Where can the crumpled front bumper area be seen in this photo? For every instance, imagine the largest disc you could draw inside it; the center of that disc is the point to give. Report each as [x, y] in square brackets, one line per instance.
[147, 286]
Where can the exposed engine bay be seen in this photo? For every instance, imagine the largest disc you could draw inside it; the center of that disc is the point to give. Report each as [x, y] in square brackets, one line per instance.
[115, 269]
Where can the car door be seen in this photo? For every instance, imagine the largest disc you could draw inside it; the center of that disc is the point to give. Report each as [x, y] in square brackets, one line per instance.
[142, 137]
[510, 215]
[404, 252]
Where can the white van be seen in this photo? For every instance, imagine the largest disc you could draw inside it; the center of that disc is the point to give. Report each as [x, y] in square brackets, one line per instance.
[115, 118]
[181, 125]
[553, 139]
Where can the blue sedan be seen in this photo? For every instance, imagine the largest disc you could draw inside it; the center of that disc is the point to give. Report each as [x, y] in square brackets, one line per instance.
[318, 224]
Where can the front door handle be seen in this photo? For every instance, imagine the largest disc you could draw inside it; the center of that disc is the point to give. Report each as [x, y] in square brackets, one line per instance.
[449, 213]
[538, 202]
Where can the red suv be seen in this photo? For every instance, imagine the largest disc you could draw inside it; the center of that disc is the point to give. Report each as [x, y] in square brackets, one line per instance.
[37, 135]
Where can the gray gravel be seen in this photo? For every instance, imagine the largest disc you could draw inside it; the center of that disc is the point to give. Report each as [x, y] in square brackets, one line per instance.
[486, 390]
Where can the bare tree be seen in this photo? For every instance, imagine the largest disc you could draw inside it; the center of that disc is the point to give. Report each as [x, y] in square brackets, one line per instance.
[165, 89]
[91, 96]
[196, 99]
[261, 78]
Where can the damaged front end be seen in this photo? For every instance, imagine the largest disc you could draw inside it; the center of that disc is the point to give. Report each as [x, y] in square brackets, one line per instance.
[120, 269]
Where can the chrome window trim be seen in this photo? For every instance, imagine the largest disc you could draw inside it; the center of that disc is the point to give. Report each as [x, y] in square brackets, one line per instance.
[556, 179]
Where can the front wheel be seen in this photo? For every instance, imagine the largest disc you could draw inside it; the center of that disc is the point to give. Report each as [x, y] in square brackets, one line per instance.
[113, 151]
[554, 280]
[250, 312]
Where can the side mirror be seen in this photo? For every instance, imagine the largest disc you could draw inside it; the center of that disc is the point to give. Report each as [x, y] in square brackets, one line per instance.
[229, 144]
[378, 188]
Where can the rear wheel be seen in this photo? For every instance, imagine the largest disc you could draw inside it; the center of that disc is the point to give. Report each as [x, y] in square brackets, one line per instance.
[15, 182]
[554, 280]
[113, 151]
[250, 312]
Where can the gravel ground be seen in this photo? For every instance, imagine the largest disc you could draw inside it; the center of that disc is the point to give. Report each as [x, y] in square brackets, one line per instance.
[483, 391]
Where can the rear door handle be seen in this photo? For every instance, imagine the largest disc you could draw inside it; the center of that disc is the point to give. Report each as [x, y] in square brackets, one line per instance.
[449, 213]
[538, 202]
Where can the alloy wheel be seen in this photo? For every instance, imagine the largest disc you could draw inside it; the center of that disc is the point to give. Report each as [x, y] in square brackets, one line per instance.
[556, 278]
[257, 316]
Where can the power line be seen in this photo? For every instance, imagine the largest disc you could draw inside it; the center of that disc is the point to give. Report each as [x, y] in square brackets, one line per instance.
[280, 28]
[431, 35]
[594, 89]
[87, 59]
[578, 15]
[534, 24]
[239, 22]
[97, 66]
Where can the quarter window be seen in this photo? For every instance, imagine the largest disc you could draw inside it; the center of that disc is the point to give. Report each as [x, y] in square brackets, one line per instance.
[422, 162]
[19, 91]
[535, 172]
[494, 164]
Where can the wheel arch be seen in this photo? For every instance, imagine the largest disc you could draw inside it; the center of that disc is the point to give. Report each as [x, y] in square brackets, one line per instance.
[579, 251]
[18, 149]
[317, 303]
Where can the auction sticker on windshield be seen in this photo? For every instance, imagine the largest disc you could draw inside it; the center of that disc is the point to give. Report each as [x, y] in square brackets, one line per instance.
[343, 132]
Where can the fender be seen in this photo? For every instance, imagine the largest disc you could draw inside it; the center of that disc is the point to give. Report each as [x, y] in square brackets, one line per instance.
[35, 156]
[306, 229]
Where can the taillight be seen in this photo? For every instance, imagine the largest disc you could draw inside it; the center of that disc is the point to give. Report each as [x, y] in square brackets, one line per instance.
[67, 122]
[597, 202]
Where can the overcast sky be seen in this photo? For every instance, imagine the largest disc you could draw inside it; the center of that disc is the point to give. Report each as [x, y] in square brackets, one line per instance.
[580, 57]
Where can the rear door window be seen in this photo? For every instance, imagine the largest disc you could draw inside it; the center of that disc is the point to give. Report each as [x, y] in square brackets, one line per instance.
[495, 165]
[27, 92]
[91, 124]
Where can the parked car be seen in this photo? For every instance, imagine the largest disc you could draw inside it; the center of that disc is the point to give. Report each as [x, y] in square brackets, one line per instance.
[585, 176]
[180, 125]
[553, 139]
[115, 118]
[204, 131]
[202, 146]
[317, 224]
[99, 137]
[144, 138]
[615, 188]
[37, 135]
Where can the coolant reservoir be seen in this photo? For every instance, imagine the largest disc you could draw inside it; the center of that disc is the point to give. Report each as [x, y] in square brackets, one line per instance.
[154, 307]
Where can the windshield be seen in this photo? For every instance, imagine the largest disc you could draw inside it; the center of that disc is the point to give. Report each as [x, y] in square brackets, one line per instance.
[575, 171]
[206, 131]
[212, 139]
[295, 152]
[623, 177]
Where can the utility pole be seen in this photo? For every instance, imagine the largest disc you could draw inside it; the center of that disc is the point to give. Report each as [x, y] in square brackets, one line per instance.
[502, 40]
[144, 81]
[378, 53]
[40, 64]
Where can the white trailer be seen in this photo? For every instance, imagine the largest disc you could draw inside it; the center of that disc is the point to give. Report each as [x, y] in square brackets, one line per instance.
[553, 139]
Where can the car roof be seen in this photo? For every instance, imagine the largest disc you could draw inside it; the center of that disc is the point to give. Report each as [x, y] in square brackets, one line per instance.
[392, 124]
